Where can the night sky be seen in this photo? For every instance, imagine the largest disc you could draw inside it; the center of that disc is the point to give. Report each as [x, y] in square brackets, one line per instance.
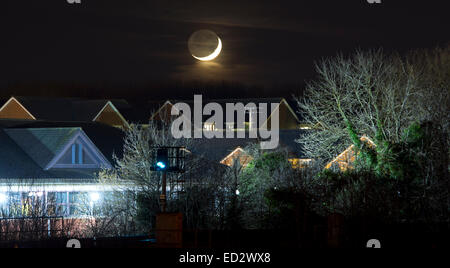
[143, 42]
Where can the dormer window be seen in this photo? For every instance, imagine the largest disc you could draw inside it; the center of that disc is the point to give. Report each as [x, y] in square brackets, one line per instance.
[80, 154]
[77, 154]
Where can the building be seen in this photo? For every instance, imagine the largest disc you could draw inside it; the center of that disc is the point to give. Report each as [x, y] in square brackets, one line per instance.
[346, 159]
[289, 119]
[66, 110]
[51, 150]
[227, 151]
[54, 163]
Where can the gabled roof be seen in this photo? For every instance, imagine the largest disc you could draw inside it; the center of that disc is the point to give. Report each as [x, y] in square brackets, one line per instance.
[217, 149]
[237, 153]
[42, 144]
[109, 140]
[14, 101]
[67, 109]
[44, 108]
[16, 162]
[292, 103]
[223, 102]
[46, 145]
[89, 110]
[347, 157]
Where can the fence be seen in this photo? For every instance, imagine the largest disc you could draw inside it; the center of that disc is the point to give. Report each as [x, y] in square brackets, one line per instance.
[31, 228]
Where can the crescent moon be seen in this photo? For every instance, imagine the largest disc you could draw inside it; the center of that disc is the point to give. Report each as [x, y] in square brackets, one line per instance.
[212, 55]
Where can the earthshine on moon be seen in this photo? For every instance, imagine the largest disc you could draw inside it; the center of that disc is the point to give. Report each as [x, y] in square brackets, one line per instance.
[204, 45]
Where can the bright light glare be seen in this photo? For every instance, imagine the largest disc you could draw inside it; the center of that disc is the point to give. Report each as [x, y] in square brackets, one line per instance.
[3, 198]
[94, 197]
[161, 165]
[38, 194]
[237, 192]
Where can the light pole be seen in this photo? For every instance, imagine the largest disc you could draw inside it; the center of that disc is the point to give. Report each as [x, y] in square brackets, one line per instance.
[168, 159]
[162, 197]
[167, 162]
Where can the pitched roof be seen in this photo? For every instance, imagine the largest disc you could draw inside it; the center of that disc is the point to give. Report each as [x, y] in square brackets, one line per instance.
[26, 161]
[109, 140]
[245, 101]
[87, 110]
[42, 144]
[15, 163]
[67, 109]
[223, 102]
[345, 159]
[217, 149]
[45, 108]
[288, 141]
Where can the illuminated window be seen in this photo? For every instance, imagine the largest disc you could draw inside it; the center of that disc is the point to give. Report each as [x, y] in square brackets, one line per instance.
[57, 204]
[299, 163]
[15, 204]
[75, 203]
[209, 126]
[77, 154]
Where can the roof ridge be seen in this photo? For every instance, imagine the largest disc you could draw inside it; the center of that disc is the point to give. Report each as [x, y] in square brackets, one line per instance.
[42, 144]
[44, 128]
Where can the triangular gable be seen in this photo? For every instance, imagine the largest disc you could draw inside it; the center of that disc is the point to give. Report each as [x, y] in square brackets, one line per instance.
[46, 146]
[166, 108]
[13, 109]
[110, 115]
[49, 108]
[79, 152]
[288, 118]
[156, 116]
[344, 160]
[237, 153]
[290, 109]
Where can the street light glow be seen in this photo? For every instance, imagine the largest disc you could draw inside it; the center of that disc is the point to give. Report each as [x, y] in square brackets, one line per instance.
[94, 197]
[3, 198]
[161, 165]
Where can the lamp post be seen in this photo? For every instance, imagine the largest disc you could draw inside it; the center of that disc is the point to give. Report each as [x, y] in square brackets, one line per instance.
[165, 162]
[162, 164]
[162, 197]
[168, 159]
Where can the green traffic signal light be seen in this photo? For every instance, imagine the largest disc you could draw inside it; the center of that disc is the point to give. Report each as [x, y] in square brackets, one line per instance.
[162, 159]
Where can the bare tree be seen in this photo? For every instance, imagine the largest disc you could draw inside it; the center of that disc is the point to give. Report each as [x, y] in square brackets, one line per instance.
[400, 103]
[433, 67]
[372, 94]
[192, 192]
